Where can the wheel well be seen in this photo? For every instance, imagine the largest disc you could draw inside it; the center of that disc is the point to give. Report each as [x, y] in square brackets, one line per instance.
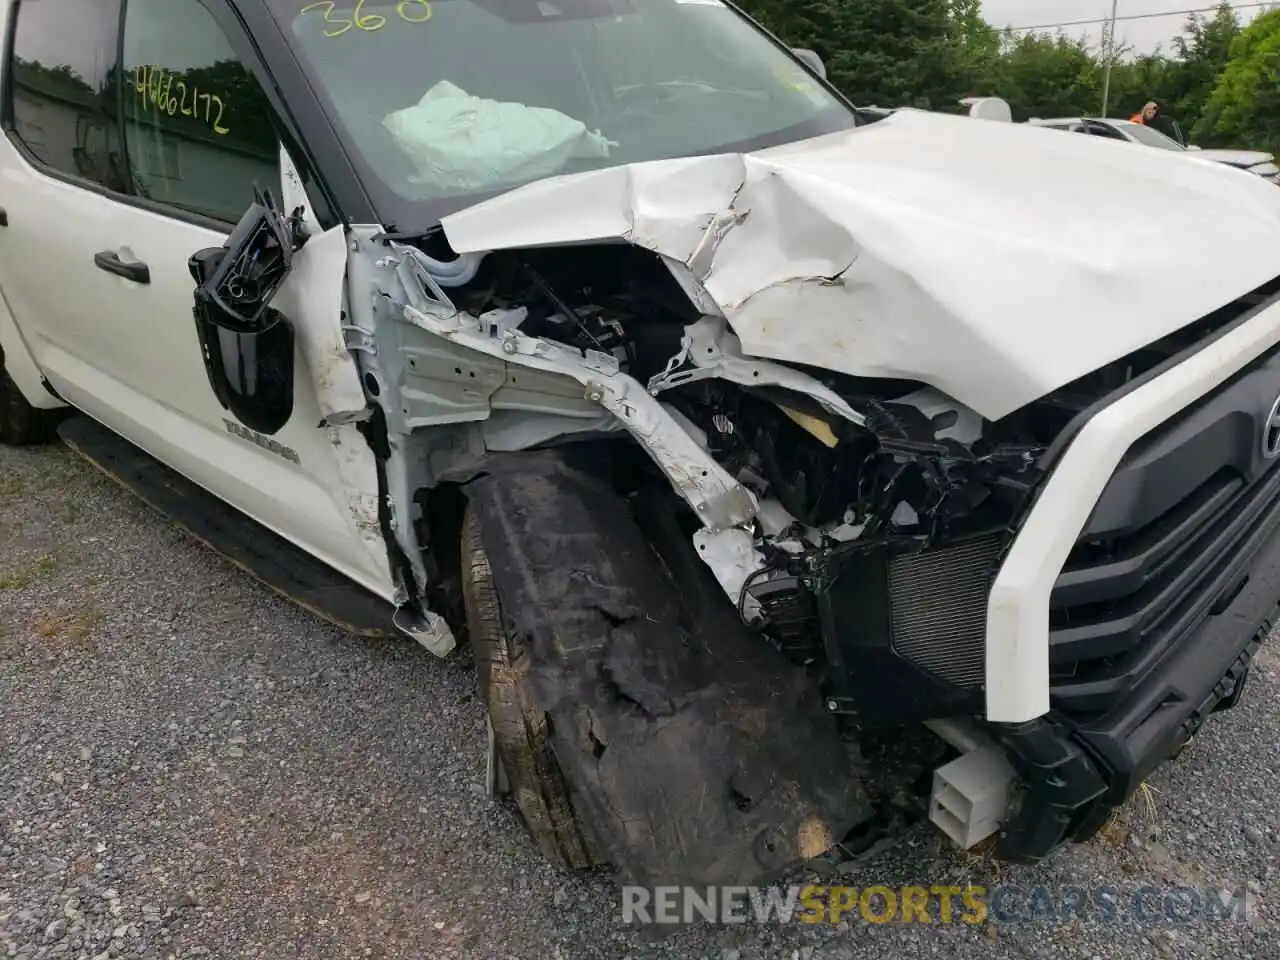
[618, 462]
[440, 533]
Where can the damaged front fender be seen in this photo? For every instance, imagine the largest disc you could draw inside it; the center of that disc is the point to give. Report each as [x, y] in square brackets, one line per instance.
[720, 501]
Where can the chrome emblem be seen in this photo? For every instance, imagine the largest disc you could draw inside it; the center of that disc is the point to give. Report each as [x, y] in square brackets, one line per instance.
[1271, 432]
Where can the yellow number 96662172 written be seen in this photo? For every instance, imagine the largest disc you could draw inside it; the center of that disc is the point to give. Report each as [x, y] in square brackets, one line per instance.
[410, 11]
[163, 90]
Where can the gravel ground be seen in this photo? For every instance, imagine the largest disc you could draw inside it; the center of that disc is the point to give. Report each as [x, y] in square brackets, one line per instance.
[190, 766]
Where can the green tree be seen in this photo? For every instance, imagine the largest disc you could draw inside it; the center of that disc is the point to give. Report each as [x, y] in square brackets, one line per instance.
[1049, 75]
[60, 77]
[1244, 105]
[886, 52]
[978, 50]
[931, 53]
[1182, 84]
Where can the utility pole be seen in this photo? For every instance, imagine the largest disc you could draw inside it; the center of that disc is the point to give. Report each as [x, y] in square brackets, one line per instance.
[1109, 42]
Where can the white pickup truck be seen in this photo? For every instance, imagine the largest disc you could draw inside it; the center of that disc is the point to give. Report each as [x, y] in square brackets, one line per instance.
[603, 338]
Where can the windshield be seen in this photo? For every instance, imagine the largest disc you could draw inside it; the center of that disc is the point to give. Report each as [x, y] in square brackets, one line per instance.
[447, 102]
[1150, 137]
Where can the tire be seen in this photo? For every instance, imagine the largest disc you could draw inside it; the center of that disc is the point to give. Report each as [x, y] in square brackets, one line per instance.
[636, 729]
[20, 423]
[520, 731]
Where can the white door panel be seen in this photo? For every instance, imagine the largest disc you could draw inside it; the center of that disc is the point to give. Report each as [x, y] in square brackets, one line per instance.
[128, 354]
[19, 363]
[126, 350]
[46, 263]
[253, 483]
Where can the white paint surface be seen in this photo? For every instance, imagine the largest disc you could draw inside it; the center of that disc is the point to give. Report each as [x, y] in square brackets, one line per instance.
[1018, 607]
[995, 262]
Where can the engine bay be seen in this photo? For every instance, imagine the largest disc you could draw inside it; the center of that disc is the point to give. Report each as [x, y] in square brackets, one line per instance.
[918, 464]
[784, 474]
[829, 461]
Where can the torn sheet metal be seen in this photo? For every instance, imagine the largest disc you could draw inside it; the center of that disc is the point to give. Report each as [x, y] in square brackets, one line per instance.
[312, 298]
[430, 630]
[358, 473]
[313, 293]
[719, 500]
[995, 262]
[708, 349]
[371, 277]
[733, 558]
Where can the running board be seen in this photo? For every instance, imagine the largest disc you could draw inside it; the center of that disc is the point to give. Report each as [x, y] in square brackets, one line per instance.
[270, 558]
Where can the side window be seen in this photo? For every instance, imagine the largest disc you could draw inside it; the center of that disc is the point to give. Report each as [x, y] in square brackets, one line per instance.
[1102, 130]
[198, 128]
[63, 87]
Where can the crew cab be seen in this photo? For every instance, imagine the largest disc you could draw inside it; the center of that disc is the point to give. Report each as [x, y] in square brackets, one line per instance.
[603, 338]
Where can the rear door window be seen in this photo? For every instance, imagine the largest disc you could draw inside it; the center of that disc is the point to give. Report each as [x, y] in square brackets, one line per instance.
[1103, 130]
[198, 126]
[63, 88]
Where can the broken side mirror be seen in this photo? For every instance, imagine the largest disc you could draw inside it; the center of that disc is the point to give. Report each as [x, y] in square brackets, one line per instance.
[811, 60]
[247, 346]
[254, 262]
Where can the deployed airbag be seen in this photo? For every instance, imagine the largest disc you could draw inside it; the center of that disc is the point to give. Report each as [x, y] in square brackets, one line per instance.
[459, 141]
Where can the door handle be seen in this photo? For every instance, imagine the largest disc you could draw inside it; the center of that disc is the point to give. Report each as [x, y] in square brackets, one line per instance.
[4, 217]
[110, 261]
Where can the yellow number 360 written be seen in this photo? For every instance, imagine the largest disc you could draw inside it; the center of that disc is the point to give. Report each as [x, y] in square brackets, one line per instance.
[410, 11]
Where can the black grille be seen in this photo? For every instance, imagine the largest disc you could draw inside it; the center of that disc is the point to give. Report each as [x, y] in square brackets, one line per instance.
[938, 607]
[1122, 604]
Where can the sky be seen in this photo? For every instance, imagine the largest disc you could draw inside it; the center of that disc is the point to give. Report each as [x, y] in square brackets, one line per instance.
[1143, 35]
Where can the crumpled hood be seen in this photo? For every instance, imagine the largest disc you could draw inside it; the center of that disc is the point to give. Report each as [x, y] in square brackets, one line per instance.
[995, 262]
[1235, 158]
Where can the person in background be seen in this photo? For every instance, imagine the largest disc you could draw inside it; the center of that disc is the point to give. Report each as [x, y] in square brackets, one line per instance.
[1147, 116]
[1157, 119]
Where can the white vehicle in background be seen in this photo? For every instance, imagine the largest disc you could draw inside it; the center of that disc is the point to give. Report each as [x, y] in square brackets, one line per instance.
[1255, 161]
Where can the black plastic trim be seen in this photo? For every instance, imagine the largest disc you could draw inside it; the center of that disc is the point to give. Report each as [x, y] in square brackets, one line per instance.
[1058, 447]
[1225, 537]
[1150, 554]
[1058, 784]
[1075, 772]
[1101, 689]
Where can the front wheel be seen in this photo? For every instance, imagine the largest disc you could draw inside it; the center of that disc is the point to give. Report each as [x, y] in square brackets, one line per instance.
[520, 731]
[636, 727]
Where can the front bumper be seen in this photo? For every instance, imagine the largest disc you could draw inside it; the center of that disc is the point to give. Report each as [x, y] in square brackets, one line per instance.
[1017, 688]
[1126, 608]
[1074, 773]
[1142, 583]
